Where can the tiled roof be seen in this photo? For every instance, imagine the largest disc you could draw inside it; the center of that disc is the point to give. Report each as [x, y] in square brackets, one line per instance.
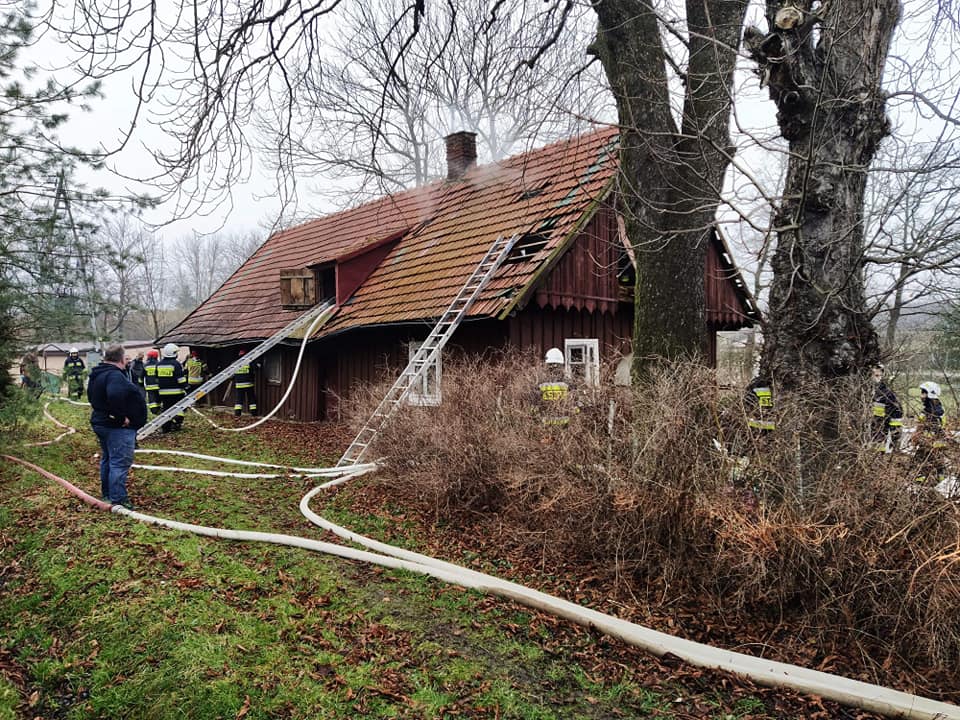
[449, 226]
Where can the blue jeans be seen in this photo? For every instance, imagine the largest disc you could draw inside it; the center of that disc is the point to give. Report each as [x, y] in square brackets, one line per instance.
[116, 457]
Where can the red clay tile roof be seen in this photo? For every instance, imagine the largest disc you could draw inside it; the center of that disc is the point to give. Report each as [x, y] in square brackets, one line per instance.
[449, 226]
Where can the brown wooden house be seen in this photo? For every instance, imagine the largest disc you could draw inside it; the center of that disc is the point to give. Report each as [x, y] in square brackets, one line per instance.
[393, 265]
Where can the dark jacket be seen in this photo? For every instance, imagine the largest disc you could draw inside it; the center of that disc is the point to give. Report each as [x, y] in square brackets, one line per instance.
[136, 371]
[243, 377]
[113, 398]
[886, 407]
[932, 420]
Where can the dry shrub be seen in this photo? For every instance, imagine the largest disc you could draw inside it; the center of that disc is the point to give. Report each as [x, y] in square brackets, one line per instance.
[663, 486]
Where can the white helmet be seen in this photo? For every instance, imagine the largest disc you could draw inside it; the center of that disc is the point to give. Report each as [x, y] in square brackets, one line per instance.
[170, 350]
[74, 350]
[554, 357]
[931, 389]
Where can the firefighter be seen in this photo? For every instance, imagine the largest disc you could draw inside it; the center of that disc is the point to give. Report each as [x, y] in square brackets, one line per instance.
[243, 387]
[930, 437]
[137, 373]
[759, 398]
[171, 384]
[196, 371]
[554, 391]
[887, 415]
[932, 418]
[75, 371]
[150, 381]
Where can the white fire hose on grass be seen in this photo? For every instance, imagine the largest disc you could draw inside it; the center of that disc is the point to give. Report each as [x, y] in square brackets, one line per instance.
[854, 693]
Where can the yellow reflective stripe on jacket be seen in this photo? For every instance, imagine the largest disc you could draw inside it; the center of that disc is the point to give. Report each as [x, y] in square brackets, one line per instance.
[762, 424]
[896, 422]
[170, 391]
[764, 396]
[164, 371]
[879, 409]
[554, 391]
[243, 385]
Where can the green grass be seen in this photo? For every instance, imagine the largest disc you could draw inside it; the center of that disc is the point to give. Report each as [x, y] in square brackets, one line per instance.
[111, 618]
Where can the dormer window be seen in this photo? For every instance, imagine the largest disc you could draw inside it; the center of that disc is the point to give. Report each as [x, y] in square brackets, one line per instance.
[326, 283]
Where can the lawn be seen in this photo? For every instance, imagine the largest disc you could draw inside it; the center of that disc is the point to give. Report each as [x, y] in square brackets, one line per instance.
[107, 617]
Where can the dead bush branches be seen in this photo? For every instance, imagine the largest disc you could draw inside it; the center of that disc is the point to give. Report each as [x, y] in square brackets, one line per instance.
[664, 486]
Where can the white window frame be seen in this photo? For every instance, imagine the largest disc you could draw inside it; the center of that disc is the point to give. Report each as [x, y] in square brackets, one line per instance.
[273, 368]
[589, 358]
[427, 391]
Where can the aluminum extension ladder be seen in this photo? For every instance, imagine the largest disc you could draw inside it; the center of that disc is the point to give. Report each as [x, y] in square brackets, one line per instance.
[429, 350]
[182, 404]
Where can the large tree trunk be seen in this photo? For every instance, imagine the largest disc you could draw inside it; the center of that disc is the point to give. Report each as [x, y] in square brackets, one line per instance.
[671, 177]
[824, 74]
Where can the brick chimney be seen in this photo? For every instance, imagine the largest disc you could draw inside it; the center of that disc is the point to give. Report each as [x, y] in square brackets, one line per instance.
[461, 153]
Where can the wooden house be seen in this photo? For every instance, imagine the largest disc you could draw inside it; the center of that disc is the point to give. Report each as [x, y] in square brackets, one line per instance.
[392, 266]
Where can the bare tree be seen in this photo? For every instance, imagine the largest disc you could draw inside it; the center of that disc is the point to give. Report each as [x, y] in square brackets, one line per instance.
[380, 103]
[674, 153]
[199, 264]
[154, 282]
[115, 272]
[913, 228]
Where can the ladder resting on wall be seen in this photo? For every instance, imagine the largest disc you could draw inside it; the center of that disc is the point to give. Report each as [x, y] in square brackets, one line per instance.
[301, 322]
[429, 350]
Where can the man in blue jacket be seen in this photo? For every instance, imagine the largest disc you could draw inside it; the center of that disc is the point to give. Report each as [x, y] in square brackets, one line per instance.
[119, 411]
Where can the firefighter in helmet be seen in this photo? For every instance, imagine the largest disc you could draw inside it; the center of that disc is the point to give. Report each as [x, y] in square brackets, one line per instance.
[554, 392]
[930, 437]
[75, 371]
[171, 384]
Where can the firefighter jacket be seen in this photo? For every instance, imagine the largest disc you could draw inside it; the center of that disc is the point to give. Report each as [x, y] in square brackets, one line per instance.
[932, 418]
[759, 398]
[887, 412]
[150, 375]
[243, 377]
[73, 366]
[554, 402]
[196, 371]
[171, 380]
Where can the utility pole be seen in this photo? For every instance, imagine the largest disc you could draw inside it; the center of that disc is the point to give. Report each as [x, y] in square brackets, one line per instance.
[63, 197]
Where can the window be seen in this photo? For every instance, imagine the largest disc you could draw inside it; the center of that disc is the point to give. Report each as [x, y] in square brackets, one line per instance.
[273, 368]
[427, 390]
[326, 283]
[583, 360]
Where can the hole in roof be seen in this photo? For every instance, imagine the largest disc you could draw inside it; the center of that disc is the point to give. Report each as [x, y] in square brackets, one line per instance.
[527, 246]
[532, 191]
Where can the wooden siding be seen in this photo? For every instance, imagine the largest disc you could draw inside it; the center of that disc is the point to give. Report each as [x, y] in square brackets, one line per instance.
[363, 357]
[725, 310]
[540, 330]
[585, 278]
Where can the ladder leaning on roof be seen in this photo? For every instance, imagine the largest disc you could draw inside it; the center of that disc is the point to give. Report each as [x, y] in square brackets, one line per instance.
[309, 316]
[429, 350]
